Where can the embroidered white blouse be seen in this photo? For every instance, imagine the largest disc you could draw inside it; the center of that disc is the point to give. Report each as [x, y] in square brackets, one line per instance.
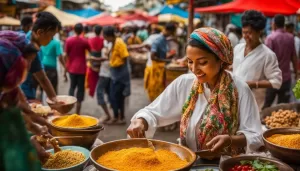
[260, 64]
[167, 108]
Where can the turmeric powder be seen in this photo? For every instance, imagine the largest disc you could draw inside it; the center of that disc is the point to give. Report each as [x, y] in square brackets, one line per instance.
[75, 121]
[289, 141]
[141, 159]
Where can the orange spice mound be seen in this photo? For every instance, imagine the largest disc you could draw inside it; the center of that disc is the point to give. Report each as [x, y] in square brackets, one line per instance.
[289, 141]
[75, 121]
[141, 159]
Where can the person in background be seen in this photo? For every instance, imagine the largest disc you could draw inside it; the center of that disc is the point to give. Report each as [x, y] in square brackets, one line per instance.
[134, 39]
[126, 33]
[120, 77]
[75, 50]
[253, 61]
[154, 72]
[290, 28]
[51, 52]
[26, 24]
[143, 33]
[44, 28]
[231, 34]
[96, 44]
[104, 81]
[283, 45]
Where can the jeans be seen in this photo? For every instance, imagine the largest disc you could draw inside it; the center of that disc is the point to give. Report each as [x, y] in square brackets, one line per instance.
[102, 88]
[77, 81]
[283, 94]
[117, 98]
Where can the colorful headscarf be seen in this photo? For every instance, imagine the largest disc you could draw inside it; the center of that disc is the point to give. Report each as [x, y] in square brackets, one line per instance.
[221, 114]
[13, 66]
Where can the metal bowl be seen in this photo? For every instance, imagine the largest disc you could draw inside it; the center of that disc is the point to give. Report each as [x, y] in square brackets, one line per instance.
[88, 136]
[268, 111]
[182, 152]
[69, 102]
[226, 165]
[287, 155]
[83, 128]
[79, 166]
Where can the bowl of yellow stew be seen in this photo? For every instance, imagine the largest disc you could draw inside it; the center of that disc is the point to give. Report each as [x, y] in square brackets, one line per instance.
[71, 158]
[135, 154]
[283, 143]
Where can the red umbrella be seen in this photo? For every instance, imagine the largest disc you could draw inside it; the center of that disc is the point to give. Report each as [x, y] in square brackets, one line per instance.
[103, 20]
[268, 7]
[137, 16]
[294, 3]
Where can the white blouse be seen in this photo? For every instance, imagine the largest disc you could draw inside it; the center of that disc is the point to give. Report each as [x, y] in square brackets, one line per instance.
[260, 64]
[166, 109]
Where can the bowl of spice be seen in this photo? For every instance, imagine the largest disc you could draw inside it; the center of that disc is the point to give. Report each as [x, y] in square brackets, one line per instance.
[64, 103]
[76, 125]
[135, 154]
[283, 143]
[70, 158]
[75, 121]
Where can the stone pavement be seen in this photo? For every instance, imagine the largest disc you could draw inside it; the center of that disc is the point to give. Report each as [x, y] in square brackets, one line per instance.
[136, 101]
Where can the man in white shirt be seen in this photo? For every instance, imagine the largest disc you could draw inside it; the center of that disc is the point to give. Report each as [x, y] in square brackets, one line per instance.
[254, 62]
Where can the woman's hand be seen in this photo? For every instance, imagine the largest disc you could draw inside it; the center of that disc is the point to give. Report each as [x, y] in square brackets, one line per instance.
[218, 143]
[137, 128]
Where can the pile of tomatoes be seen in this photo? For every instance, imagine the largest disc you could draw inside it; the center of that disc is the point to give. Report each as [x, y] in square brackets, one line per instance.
[242, 168]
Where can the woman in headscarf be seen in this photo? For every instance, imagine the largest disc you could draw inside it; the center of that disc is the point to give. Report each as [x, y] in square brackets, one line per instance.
[17, 153]
[217, 111]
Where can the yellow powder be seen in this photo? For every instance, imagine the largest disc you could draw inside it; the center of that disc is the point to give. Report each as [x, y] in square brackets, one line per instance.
[141, 159]
[75, 121]
[64, 159]
[289, 141]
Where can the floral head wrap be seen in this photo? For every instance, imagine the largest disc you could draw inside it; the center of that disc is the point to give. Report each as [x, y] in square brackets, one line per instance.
[13, 66]
[221, 114]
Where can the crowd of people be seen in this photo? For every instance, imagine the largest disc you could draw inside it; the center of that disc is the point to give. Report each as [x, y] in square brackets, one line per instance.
[223, 99]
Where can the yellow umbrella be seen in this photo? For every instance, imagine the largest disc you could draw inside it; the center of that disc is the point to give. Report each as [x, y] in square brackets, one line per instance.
[9, 21]
[66, 19]
[174, 18]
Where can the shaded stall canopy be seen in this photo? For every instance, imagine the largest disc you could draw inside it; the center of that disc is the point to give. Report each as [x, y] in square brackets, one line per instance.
[103, 20]
[9, 21]
[66, 19]
[85, 13]
[268, 7]
[173, 11]
[139, 16]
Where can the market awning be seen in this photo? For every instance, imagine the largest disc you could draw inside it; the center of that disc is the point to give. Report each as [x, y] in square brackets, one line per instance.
[137, 16]
[85, 13]
[9, 21]
[103, 20]
[65, 18]
[295, 3]
[268, 7]
[175, 11]
[174, 18]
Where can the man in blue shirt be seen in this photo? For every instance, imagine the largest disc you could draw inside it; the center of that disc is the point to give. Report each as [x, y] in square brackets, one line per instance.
[159, 48]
